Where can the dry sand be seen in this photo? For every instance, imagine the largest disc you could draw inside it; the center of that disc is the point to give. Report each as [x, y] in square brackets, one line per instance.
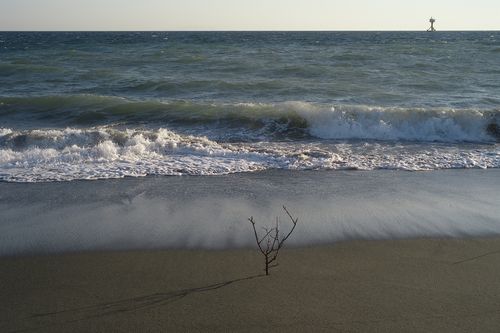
[369, 286]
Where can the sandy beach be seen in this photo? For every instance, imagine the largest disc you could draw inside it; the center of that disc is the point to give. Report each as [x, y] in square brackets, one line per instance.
[366, 286]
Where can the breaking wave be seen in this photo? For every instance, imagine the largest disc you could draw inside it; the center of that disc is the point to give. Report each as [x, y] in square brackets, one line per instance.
[107, 152]
[59, 138]
[287, 120]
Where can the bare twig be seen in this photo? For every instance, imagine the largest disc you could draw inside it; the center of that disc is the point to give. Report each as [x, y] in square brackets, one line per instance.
[272, 239]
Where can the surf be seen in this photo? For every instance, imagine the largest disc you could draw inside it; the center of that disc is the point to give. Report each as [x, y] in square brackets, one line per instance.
[290, 119]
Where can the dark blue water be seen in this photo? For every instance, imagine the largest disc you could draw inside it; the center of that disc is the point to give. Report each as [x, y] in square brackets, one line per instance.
[98, 105]
[449, 69]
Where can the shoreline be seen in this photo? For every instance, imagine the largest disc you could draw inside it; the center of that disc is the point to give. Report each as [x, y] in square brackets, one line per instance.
[211, 212]
[264, 172]
[242, 249]
[393, 285]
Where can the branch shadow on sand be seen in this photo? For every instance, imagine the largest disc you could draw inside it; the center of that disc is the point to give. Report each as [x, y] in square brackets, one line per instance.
[124, 305]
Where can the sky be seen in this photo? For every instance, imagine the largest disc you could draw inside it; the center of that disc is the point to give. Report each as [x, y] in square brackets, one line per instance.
[248, 14]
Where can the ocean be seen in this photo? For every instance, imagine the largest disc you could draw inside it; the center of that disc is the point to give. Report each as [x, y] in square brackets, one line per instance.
[228, 125]
[103, 105]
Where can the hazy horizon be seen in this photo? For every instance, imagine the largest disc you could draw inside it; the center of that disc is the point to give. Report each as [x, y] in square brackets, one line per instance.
[240, 15]
[236, 30]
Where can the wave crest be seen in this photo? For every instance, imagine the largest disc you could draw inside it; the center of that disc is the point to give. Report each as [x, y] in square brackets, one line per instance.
[279, 120]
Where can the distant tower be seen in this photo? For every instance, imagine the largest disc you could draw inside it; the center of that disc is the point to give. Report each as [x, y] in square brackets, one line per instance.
[432, 20]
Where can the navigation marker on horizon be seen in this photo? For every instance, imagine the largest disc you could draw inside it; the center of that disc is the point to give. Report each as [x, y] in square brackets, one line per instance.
[432, 20]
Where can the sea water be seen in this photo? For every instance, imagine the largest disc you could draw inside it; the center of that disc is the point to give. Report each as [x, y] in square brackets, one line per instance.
[97, 105]
[212, 212]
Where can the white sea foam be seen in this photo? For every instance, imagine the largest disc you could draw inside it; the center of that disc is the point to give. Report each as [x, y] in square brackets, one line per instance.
[68, 154]
[377, 123]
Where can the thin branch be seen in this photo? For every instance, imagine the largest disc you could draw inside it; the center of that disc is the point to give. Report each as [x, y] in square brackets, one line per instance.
[272, 239]
[294, 221]
[269, 249]
[276, 236]
[255, 233]
[264, 237]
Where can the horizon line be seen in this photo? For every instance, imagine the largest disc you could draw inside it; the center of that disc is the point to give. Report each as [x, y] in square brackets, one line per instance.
[244, 30]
